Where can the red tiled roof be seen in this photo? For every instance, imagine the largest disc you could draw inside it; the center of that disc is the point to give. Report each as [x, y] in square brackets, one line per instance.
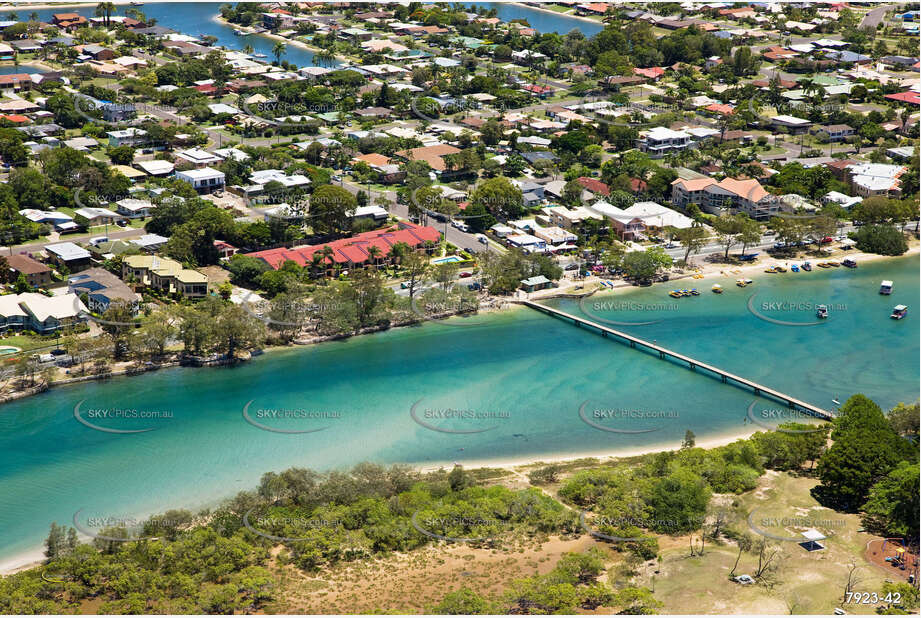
[651, 72]
[720, 108]
[594, 185]
[352, 250]
[909, 96]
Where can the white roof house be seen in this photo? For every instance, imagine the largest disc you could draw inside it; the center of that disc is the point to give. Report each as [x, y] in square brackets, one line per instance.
[197, 156]
[68, 251]
[790, 121]
[263, 177]
[156, 167]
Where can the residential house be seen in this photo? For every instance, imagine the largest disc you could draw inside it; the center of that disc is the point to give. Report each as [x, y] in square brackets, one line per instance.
[353, 252]
[835, 132]
[127, 137]
[40, 313]
[871, 179]
[165, 275]
[102, 288]
[659, 141]
[205, 180]
[714, 197]
[36, 273]
[133, 208]
[68, 254]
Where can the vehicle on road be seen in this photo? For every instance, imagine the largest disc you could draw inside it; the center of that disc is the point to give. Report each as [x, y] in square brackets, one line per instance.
[572, 266]
[465, 274]
[482, 238]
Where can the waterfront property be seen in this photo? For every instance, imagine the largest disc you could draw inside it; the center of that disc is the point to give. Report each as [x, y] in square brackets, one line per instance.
[355, 251]
[40, 313]
[166, 275]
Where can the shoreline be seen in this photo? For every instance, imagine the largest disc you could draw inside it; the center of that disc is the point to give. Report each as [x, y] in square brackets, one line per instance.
[51, 6]
[558, 14]
[589, 287]
[248, 29]
[34, 558]
[622, 453]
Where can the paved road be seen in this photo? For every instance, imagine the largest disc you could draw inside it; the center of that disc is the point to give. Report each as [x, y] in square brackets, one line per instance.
[116, 233]
[874, 17]
[454, 235]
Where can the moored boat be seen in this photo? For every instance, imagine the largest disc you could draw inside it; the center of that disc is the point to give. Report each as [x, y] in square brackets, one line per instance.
[821, 312]
[717, 288]
[899, 312]
[694, 292]
[675, 294]
[885, 287]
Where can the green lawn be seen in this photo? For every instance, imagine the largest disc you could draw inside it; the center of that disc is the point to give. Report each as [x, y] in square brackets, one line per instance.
[804, 582]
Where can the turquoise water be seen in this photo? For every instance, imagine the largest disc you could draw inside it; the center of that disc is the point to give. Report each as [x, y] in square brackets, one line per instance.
[542, 21]
[530, 372]
[447, 260]
[195, 19]
[12, 69]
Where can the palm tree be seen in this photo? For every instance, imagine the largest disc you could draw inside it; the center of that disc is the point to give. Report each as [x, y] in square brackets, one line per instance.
[374, 253]
[324, 58]
[327, 253]
[279, 50]
[248, 49]
[33, 16]
[106, 10]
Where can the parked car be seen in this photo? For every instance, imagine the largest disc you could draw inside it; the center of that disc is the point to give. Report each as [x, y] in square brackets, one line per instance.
[474, 286]
[827, 240]
[404, 285]
[465, 274]
[572, 266]
[482, 238]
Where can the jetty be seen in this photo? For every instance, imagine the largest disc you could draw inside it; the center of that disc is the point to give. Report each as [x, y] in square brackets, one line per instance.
[692, 363]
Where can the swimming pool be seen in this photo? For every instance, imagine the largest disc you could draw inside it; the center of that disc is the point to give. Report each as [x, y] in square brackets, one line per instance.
[6, 350]
[447, 260]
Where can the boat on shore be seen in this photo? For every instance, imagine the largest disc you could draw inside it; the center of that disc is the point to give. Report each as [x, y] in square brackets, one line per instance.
[835, 264]
[849, 263]
[795, 268]
[780, 269]
[771, 270]
[807, 267]
[899, 312]
[885, 288]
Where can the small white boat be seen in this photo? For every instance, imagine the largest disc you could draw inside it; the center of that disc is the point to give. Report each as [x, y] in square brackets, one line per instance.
[821, 312]
[899, 312]
[885, 288]
[259, 56]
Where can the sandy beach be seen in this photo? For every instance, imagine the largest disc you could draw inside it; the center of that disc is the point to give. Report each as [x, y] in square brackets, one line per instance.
[220, 20]
[552, 12]
[25, 6]
[512, 464]
[34, 558]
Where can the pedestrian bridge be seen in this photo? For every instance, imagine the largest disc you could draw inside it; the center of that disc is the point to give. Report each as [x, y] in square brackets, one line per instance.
[692, 363]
